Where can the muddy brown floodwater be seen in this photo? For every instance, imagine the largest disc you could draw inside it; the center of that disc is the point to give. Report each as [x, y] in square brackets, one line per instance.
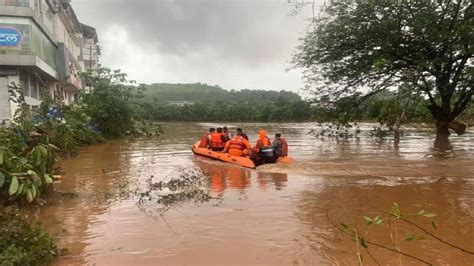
[275, 215]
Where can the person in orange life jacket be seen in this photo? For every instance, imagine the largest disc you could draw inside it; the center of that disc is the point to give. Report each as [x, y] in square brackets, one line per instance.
[263, 150]
[238, 145]
[206, 139]
[217, 140]
[227, 134]
[263, 140]
[280, 146]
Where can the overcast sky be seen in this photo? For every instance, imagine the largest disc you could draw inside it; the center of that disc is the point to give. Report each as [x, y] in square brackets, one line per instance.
[232, 43]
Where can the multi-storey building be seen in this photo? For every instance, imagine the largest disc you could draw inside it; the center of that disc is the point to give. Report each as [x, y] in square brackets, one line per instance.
[43, 47]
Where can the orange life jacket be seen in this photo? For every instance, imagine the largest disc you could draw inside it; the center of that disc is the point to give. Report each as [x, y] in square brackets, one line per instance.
[284, 148]
[204, 141]
[266, 142]
[237, 143]
[216, 140]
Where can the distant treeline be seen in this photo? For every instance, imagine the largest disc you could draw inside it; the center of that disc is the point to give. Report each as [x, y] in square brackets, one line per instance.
[212, 103]
[164, 93]
[220, 111]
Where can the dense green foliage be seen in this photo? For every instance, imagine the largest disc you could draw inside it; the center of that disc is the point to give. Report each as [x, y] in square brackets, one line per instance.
[212, 103]
[22, 243]
[25, 174]
[68, 129]
[202, 93]
[370, 46]
[110, 104]
[27, 157]
[220, 111]
[388, 108]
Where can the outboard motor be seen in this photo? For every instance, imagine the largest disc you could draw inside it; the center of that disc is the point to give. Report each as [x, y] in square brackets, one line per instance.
[268, 154]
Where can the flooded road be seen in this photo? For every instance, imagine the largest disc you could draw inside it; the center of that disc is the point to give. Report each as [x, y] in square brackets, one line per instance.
[275, 215]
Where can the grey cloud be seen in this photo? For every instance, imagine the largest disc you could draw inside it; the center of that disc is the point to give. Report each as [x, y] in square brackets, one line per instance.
[206, 35]
[253, 31]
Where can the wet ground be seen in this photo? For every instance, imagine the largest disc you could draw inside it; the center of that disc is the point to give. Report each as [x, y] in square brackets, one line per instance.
[275, 215]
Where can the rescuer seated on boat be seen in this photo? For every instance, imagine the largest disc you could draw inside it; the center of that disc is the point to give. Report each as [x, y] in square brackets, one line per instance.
[280, 146]
[227, 134]
[205, 141]
[218, 140]
[238, 145]
[263, 150]
[242, 133]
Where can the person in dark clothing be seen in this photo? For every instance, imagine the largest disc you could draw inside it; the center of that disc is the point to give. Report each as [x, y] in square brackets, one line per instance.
[239, 130]
[280, 146]
[223, 136]
[227, 134]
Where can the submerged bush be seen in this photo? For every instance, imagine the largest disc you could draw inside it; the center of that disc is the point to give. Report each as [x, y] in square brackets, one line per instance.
[66, 127]
[110, 103]
[22, 243]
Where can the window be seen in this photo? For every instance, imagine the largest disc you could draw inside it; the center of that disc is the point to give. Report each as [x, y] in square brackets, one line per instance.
[34, 91]
[24, 3]
[41, 91]
[30, 85]
[25, 86]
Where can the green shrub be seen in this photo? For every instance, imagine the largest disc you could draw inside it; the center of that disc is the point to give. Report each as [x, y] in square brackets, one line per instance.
[24, 175]
[21, 243]
[110, 104]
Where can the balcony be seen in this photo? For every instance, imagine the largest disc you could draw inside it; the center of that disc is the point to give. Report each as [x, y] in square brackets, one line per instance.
[22, 3]
[74, 83]
[68, 67]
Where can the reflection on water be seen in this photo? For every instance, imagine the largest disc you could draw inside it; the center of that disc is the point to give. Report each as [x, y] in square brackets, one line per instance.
[275, 215]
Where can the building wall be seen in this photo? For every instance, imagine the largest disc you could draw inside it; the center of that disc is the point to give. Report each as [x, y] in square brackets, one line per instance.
[50, 55]
[44, 14]
[34, 41]
[5, 111]
[64, 36]
[90, 54]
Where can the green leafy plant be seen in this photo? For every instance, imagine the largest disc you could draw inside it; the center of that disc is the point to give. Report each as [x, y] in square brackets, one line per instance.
[26, 174]
[392, 220]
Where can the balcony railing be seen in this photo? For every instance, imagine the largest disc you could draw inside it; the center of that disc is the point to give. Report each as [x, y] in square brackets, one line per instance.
[75, 81]
[24, 3]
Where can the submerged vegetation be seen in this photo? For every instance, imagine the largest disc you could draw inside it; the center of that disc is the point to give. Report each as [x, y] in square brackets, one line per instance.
[189, 186]
[22, 243]
[111, 103]
[400, 227]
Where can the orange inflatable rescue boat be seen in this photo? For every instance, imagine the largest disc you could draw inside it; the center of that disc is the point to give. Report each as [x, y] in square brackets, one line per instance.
[244, 161]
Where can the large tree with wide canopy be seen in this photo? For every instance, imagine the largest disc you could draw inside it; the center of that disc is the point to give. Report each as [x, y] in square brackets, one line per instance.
[364, 47]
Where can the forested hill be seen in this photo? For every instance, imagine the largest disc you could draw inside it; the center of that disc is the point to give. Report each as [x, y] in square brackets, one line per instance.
[164, 93]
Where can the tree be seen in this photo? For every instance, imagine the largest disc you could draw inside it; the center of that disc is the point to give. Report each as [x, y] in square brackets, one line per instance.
[110, 104]
[365, 47]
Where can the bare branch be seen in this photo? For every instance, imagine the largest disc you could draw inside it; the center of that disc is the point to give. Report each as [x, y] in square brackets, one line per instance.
[436, 237]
